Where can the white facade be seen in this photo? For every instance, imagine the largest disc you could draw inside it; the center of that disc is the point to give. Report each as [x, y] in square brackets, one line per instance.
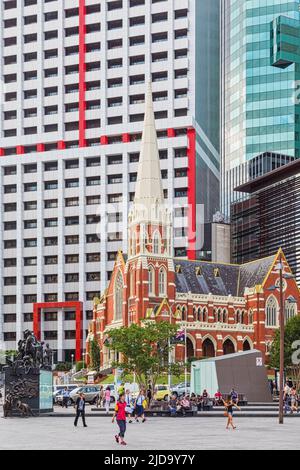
[53, 184]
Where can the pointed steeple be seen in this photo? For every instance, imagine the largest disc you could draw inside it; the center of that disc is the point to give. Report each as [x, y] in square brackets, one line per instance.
[150, 218]
[149, 190]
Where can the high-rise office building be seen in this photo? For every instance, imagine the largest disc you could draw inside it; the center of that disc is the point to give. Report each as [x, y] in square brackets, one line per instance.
[260, 78]
[268, 217]
[74, 75]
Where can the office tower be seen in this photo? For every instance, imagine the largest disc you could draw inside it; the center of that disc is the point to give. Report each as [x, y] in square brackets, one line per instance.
[74, 76]
[268, 217]
[260, 112]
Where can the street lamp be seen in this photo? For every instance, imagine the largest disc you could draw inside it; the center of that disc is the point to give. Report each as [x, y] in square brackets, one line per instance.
[72, 359]
[279, 267]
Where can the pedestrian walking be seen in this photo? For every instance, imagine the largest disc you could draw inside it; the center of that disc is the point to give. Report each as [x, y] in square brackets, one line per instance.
[120, 416]
[229, 405]
[129, 405]
[140, 407]
[80, 410]
[107, 397]
[100, 397]
[65, 398]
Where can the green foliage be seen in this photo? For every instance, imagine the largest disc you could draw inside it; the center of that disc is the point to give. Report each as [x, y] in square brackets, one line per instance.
[145, 350]
[95, 354]
[80, 365]
[292, 334]
[63, 367]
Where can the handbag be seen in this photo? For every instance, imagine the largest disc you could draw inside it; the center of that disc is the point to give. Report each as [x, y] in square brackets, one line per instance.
[145, 404]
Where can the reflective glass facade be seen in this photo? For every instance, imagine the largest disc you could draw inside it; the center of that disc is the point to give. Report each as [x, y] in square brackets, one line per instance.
[260, 110]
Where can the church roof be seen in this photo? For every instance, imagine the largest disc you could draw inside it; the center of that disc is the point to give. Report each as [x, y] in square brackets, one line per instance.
[254, 273]
[220, 279]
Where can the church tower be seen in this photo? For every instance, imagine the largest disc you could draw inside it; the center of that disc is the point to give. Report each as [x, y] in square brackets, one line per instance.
[150, 230]
[150, 220]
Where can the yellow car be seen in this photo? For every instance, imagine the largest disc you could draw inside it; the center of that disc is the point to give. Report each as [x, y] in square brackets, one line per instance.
[162, 392]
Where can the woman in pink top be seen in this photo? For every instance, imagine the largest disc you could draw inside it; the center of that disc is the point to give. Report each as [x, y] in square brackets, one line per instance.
[107, 396]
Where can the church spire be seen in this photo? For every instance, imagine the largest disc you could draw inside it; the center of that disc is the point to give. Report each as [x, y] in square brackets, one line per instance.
[149, 191]
[150, 218]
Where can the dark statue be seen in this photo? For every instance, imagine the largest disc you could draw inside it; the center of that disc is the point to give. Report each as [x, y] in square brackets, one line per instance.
[32, 354]
[32, 357]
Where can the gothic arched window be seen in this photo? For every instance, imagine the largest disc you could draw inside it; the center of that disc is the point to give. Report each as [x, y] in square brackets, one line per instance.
[156, 243]
[118, 291]
[290, 311]
[162, 282]
[151, 280]
[132, 283]
[205, 315]
[271, 312]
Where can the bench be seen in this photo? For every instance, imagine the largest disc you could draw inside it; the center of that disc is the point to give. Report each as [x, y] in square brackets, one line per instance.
[158, 408]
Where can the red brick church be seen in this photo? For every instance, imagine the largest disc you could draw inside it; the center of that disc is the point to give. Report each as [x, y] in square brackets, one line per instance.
[223, 308]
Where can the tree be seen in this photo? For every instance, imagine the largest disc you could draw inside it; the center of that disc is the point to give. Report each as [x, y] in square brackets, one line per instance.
[95, 354]
[144, 350]
[292, 336]
[63, 367]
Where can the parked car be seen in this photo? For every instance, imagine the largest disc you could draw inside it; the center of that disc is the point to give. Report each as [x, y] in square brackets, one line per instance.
[90, 391]
[60, 394]
[180, 389]
[162, 392]
[58, 391]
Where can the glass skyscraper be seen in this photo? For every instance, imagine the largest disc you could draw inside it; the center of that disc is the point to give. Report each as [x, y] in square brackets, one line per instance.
[260, 109]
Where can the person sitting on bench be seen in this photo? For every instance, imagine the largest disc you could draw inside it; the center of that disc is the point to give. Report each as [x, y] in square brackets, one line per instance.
[185, 405]
[173, 405]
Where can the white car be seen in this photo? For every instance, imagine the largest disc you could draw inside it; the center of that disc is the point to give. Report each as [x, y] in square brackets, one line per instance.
[181, 389]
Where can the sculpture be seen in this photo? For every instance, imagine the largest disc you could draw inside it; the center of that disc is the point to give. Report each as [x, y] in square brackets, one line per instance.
[22, 374]
[48, 356]
[32, 354]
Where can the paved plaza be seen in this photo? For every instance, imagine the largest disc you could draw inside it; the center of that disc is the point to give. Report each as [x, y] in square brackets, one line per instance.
[157, 434]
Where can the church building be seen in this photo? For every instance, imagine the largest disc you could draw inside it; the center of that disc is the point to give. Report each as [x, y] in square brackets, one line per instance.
[223, 308]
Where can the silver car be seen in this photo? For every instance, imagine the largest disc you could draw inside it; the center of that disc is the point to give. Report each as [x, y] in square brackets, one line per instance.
[90, 392]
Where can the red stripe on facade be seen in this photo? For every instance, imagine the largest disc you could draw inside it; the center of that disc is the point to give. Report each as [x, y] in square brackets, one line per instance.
[104, 140]
[40, 148]
[61, 145]
[171, 132]
[126, 138]
[20, 150]
[82, 73]
[191, 134]
[37, 311]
